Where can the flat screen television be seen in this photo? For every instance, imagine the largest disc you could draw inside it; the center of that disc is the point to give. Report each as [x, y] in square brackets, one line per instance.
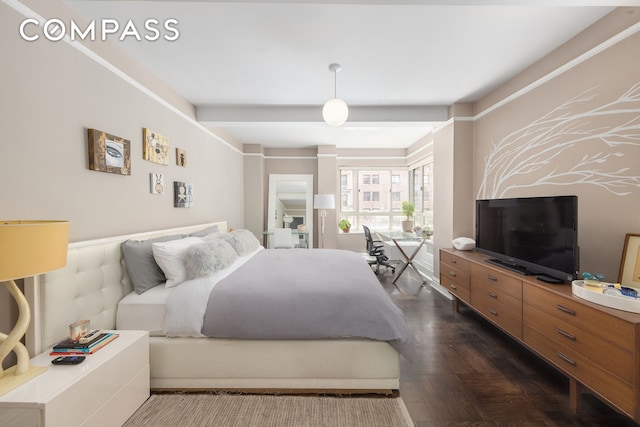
[531, 235]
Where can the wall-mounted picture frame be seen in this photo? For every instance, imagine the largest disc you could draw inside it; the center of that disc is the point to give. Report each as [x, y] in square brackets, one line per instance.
[155, 147]
[181, 157]
[630, 265]
[156, 181]
[109, 153]
[182, 194]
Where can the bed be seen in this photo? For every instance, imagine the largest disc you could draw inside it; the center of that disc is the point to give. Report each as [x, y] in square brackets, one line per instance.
[95, 285]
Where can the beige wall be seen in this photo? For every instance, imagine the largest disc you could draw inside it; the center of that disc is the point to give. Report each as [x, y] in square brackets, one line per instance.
[576, 132]
[51, 93]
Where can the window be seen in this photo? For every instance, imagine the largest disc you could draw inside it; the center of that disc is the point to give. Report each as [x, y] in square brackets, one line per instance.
[417, 186]
[347, 191]
[422, 177]
[427, 187]
[380, 195]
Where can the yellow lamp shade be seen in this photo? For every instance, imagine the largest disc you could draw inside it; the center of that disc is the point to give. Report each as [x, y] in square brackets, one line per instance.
[28, 248]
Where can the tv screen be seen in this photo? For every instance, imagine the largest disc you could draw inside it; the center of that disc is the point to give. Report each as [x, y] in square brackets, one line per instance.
[533, 235]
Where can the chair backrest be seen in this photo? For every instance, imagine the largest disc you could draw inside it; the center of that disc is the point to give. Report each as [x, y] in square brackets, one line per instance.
[282, 238]
[368, 238]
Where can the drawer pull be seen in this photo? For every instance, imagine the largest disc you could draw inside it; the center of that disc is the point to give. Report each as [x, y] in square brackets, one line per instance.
[566, 310]
[566, 334]
[492, 278]
[495, 313]
[453, 286]
[492, 295]
[566, 359]
[452, 273]
[452, 261]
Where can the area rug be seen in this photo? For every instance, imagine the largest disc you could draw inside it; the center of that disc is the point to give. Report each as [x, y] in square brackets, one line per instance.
[230, 410]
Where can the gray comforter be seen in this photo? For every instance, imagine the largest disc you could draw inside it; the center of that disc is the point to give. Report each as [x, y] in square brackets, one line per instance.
[305, 294]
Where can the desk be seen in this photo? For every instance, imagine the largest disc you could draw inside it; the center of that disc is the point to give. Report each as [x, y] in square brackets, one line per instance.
[299, 236]
[403, 236]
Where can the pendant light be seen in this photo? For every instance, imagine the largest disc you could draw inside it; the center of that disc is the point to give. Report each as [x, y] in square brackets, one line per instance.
[335, 110]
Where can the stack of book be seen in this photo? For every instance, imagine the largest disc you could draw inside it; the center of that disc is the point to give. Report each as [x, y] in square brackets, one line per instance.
[67, 346]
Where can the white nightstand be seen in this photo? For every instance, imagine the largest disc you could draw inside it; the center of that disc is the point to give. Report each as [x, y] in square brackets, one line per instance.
[104, 390]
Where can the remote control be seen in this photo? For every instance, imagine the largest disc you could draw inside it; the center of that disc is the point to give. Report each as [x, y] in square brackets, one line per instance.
[68, 360]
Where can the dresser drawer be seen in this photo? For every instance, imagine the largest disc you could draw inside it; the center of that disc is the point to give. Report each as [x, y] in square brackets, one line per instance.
[499, 307]
[574, 312]
[454, 261]
[503, 282]
[610, 357]
[610, 387]
[454, 286]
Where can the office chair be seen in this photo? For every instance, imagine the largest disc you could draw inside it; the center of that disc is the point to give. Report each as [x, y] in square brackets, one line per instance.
[375, 248]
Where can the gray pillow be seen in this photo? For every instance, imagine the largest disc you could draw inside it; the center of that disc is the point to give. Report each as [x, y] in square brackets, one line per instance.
[205, 259]
[202, 233]
[143, 270]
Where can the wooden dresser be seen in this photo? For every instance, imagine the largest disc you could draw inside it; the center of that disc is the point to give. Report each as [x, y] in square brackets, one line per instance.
[596, 347]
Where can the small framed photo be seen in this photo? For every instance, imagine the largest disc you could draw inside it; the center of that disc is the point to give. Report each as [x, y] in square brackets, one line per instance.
[155, 147]
[157, 183]
[181, 157]
[109, 153]
[630, 265]
[78, 329]
[183, 195]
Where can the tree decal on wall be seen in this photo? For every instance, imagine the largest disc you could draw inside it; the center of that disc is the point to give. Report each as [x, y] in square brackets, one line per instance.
[591, 144]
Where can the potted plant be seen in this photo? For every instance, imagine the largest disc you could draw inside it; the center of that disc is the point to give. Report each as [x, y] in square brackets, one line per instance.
[408, 208]
[344, 225]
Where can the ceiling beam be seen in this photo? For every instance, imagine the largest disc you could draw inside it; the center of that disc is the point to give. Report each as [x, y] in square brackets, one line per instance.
[305, 115]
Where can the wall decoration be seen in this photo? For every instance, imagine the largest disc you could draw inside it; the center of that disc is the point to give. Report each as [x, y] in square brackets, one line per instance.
[630, 265]
[157, 183]
[528, 157]
[155, 147]
[109, 153]
[181, 157]
[182, 195]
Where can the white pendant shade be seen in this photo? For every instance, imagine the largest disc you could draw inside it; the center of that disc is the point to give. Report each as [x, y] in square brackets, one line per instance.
[335, 112]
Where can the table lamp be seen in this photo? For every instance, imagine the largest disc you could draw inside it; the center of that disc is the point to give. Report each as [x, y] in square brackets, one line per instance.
[27, 248]
[323, 202]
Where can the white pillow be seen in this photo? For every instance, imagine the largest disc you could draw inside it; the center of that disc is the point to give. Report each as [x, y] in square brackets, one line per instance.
[169, 256]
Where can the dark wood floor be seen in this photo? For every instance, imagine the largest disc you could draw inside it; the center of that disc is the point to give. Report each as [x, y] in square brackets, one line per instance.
[468, 373]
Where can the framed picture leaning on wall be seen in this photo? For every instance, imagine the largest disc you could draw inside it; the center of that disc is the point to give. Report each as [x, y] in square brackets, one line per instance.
[630, 264]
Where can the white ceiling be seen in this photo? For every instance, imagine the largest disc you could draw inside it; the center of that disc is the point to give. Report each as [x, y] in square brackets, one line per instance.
[259, 70]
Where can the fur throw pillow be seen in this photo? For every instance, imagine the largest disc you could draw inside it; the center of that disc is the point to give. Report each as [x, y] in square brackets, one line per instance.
[207, 258]
[243, 241]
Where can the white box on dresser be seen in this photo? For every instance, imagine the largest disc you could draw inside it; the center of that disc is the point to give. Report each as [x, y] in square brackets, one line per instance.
[104, 390]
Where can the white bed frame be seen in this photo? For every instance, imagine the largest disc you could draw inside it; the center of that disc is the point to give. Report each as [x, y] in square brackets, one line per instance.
[95, 280]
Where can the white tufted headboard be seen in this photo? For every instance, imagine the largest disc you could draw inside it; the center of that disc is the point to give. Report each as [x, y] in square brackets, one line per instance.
[89, 287]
